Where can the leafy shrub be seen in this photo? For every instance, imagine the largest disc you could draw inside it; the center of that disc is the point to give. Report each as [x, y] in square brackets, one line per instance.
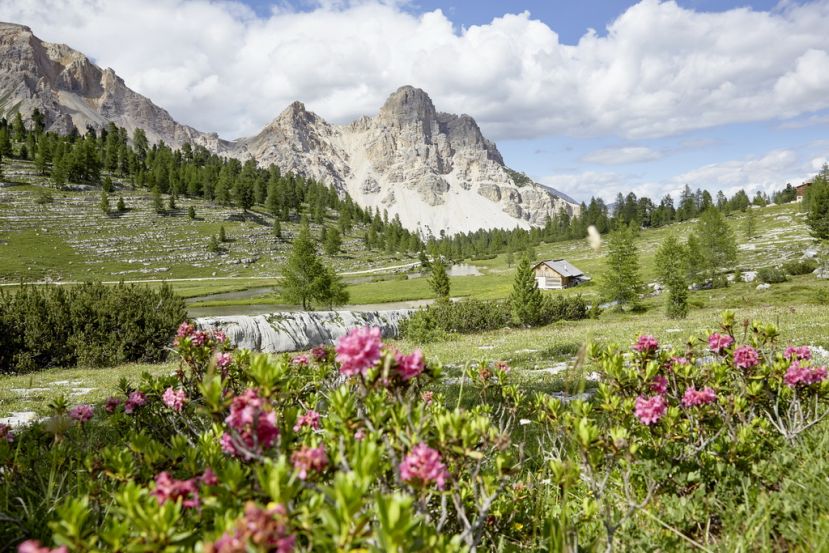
[771, 275]
[91, 324]
[237, 451]
[800, 267]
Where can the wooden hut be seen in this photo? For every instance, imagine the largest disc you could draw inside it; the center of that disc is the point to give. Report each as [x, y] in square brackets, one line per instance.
[556, 274]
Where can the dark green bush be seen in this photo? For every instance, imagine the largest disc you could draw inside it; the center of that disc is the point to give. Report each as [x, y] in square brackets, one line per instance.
[771, 275]
[800, 267]
[91, 324]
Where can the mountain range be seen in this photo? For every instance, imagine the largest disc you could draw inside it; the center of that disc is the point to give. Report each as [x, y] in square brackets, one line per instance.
[434, 170]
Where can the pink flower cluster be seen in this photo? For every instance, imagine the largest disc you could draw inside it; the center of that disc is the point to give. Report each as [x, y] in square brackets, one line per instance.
[255, 426]
[223, 360]
[502, 366]
[319, 354]
[646, 344]
[134, 401]
[798, 353]
[308, 459]
[695, 398]
[423, 466]
[259, 530]
[81, 413]
[185, 329]
[746, 357]
[410, 366]
[359, 350]
[311, 419]
[174, 399]
[6, 433]
[170, 489]
[650, 410]
[33, 546]
[798, 375]
[427, 397]
[300, 360]
[718, 343]
[112, 404]
[659, 384]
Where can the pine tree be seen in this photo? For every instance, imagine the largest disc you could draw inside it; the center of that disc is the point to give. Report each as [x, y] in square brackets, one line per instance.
[277, 228]
[818, 208]
[526, 299]
[622, 282]
[510, 258]
[158, 203]
[750, 224]
[121, 206]
[672, 267]
[105, 207]
[302, 270]
[1, 166]
[171, 202]
[222, 235]
[330, 288]
[191, 212]
[333, 242]
[213, 245]
[107, 185]
[439, 281]
[424, 260]
[717, 245]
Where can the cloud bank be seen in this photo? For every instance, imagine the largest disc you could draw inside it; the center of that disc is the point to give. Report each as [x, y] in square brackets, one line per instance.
[659, 70]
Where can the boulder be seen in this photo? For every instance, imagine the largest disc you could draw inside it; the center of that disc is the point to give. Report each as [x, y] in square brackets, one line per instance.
[764, 286]
[749, 276]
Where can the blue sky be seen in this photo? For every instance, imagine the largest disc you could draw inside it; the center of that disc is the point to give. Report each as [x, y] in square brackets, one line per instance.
[713, 93]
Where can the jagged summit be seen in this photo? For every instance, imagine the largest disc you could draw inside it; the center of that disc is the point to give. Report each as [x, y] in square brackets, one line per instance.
[434, 170]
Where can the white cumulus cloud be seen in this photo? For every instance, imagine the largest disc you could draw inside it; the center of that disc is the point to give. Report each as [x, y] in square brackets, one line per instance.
[618, 156]
[660, 69]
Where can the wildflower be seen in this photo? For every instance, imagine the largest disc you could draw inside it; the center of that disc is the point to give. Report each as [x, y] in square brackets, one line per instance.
[358, 350]
[695, 398]
[659, 384]
[718, 343]
[309, 459]
[112, 404]
[223, 360]
[199, 338]
[675, 360]
[423, 466]
[410, 366]
[209, 478]
[185, 329]
[170, 489]
[259, 530]
[360, 435]
[646, 344]
[220, 337]
[319, 354]
[174, 399]
[798, 375]
[649, 411]
[33, 546]
[6, 433]
[745, 357]
[301, 360]
[427, 397]
[798, 353]
[502, 366]
[310, 419]
[135, 399]
[81, 413]
[256, 427]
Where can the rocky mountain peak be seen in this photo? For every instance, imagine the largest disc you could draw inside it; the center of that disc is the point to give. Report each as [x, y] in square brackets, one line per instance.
[408, 105]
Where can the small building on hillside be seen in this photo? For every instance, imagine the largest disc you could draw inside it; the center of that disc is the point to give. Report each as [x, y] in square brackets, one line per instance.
[800, 191]
[556, 274]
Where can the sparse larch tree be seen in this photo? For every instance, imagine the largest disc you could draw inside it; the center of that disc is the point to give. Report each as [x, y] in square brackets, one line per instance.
[439, 281]
[302, 271]
[526, 299]
[672, 266]
[717, 245]
[621, 282]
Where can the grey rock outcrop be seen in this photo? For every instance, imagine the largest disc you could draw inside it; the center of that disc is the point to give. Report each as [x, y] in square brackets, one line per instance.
[294, 331]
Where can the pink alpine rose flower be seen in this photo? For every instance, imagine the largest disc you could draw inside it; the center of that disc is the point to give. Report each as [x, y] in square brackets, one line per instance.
[174, 399]
[650, 410]
[718, 343]
[112, 404]
[300, 360]
[746, 357]
[223, 360]
[254, 424]
[319, 354]
[798, 375]
[81, 413]
[259, 530]
[502, 366]
[424, 466]
[170, 489]
[359, 350]
[695, 398]
[209, 478]
[135, 400]
[798, 353]
[6, 434]
[308, 459]
[311, 419]
[410, 366]
[659, 384]
[646, 344]
[34, 546]
[427, 397]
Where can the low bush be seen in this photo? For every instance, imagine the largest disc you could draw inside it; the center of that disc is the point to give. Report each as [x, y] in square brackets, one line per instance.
[91, 324]
[771, 275]
[800, 267]
[358, 449]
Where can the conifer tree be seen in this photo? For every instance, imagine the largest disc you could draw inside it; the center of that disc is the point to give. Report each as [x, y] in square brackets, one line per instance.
[1, 166]
[277, 228]
[622, 282]
[171, 202]
[439, 281]
[817, 216]
[302, 271]
[672, 266]
[158, 203]
[222, 235]
[213, 245]
[526, 299]
[330, 288]
[333, 242]
[121, 206]
[717, 245]
[107, 184]
[105, 207]
[191, 212]
[750, 224]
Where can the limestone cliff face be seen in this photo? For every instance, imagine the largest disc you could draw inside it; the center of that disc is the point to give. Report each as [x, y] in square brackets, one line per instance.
[71, 90]
[436, 171]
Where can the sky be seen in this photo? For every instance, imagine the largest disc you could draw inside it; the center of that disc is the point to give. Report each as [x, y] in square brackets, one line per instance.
[592, 97]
